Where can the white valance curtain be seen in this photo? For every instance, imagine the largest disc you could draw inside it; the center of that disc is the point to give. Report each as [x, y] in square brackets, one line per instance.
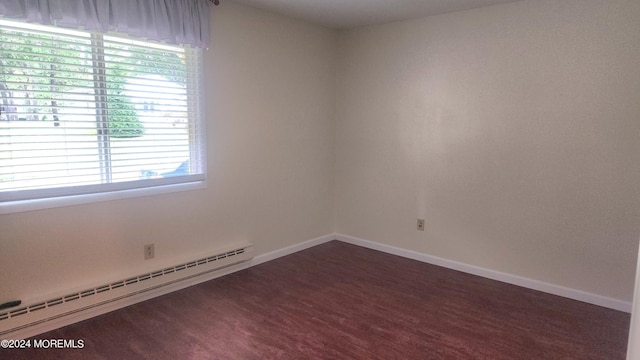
[178, 22]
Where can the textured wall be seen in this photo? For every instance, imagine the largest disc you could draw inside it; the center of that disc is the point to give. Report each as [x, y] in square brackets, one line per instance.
[513, 129]
[270, 134]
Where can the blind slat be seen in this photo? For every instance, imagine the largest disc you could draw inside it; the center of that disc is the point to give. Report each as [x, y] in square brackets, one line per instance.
[183, 76]
[147, 164]
[167, 155]
[81, 187]
[144, 98]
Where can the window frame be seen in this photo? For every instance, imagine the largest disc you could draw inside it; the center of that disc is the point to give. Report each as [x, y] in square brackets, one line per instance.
[45, 198]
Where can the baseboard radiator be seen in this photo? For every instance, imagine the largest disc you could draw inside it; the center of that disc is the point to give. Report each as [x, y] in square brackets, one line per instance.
[23, 317]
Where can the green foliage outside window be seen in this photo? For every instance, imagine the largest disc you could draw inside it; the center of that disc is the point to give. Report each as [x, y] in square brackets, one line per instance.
[35, 70]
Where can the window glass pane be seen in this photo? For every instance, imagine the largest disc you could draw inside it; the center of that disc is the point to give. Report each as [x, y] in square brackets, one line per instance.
[47, 126]
[87, 113]
[147, 110]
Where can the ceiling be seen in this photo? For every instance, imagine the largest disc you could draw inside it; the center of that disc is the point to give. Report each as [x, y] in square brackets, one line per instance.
[345, 14]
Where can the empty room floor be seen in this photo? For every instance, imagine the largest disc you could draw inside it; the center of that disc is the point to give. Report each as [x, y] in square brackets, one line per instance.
[340, 301]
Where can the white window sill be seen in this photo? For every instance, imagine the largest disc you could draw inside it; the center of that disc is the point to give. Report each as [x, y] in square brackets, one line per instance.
[54, 202]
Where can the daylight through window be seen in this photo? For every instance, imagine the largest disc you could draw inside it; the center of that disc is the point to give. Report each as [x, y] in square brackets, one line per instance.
[85, 113]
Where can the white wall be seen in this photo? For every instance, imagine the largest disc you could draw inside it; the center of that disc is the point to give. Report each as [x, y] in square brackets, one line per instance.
[270, 136]
[513, 129]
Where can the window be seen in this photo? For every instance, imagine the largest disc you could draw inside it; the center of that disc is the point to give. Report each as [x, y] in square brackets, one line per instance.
[85, 113]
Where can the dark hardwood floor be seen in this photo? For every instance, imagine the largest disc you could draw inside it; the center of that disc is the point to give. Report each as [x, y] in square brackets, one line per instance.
[339, 301]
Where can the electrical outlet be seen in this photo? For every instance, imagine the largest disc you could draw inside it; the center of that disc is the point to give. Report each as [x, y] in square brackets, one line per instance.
[149, 251]
[421, 224]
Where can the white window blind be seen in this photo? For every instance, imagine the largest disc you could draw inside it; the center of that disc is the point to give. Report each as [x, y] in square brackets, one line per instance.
[86, 113]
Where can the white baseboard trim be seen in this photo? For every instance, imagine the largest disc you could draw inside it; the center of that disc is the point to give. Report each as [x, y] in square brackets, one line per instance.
[291, 249]
[147, 295]
[566, 292]
[263, 258]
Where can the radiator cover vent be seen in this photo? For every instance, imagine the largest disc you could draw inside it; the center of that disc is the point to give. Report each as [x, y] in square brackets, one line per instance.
[72, 303]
